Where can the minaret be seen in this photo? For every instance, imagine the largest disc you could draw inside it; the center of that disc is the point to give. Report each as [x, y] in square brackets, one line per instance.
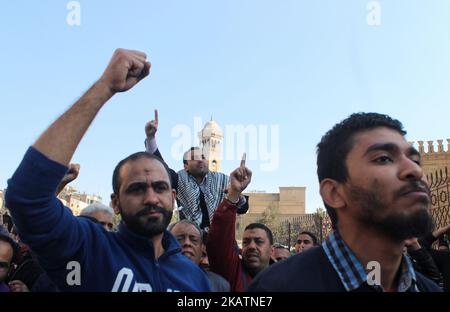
[211, 138]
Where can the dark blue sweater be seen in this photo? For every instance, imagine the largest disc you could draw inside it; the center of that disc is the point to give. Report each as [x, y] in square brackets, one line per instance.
[311, 271]
[107, 261]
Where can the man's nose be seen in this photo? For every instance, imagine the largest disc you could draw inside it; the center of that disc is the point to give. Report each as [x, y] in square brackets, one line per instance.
[186, 242]
[251, 245]
[410, 170]
[151, 196]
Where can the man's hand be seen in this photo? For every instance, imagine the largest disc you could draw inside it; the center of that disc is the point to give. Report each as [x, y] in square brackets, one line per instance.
[441, 231]
[151, 127]
[125, 70]
[412, 244]
[72, 174]
[239, 180]
[18, 286]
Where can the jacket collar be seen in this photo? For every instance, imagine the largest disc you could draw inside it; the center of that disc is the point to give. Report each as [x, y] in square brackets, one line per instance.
[352, 273]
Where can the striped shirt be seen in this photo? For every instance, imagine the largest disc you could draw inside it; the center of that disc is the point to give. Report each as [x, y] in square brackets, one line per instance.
[352, 273]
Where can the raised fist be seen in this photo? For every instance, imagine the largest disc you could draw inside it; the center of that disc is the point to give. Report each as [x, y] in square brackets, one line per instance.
[125, 70]
[72, 174]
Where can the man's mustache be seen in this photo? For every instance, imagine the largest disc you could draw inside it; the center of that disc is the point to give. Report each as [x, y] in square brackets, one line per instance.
[414, 186]
[151, 208]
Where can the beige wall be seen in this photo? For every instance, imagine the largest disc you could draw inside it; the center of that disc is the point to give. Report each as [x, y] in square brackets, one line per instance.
[290, 203]
[435, 155]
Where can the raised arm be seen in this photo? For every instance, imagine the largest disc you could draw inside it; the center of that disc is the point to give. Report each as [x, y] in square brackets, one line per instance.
[60, 140]
[221, 245]
[42, 221]
[151, 128]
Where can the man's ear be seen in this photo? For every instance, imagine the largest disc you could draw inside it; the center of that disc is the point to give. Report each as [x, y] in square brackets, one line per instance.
[332, 193]
[115, 203]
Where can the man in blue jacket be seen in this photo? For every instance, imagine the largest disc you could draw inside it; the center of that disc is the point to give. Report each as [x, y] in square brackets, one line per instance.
[78, 254]
[376, 195]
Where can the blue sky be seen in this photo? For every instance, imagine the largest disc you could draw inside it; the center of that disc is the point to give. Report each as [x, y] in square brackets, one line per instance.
[299, 65]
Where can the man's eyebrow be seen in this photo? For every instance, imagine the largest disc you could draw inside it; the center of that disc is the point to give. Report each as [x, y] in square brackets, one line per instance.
[137, 184]
[413, 152]
[387, 147]
[142, 184]
[391, 147]
[160, 183]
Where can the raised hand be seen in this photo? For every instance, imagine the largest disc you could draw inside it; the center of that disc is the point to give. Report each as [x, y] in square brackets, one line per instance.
[151, 127]
[125, 70]
[240, 178]
[441, 231]
[72, 174]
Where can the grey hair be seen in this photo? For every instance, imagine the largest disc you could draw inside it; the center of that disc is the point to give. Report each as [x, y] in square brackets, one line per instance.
[96, 207]
[186, 221]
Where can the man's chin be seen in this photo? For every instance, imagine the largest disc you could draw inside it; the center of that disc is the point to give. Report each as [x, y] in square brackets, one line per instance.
[188, 255]
[414, 224]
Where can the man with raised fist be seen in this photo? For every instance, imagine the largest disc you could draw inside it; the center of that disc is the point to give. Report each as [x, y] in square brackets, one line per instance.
[78, 254]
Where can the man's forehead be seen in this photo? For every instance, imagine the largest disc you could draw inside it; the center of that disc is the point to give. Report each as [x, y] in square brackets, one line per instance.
[280, 251]
[304, 236]
[144, 167]
[254, 233]
[365, 139]
[185, 228]
[6, 250]
[195, 154]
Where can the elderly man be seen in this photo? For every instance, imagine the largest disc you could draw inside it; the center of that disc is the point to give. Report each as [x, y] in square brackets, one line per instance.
[190, 237]
[102, 214]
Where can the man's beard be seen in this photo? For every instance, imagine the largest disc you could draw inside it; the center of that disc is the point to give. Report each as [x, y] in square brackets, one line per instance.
[397, 225]
[149, 226]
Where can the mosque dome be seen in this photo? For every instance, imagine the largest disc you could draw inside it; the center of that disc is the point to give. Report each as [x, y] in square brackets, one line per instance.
[211, 129]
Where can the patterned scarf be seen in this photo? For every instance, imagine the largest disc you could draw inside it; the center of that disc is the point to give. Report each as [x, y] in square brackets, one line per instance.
[188, 194]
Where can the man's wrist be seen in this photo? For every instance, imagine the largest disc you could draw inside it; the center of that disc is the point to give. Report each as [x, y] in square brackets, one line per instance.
[150, 145]
[232, 198]
[103, 88]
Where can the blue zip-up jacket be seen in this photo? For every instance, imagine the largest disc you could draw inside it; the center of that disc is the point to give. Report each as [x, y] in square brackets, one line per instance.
[80, 255]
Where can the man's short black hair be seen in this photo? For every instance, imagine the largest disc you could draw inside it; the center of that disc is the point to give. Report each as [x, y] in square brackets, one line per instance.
[261, 226]
[134, 157]
[313, 237]
[335, 145]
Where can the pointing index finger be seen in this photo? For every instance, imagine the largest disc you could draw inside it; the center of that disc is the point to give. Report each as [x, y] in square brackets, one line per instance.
[156, 116]
[244, 156]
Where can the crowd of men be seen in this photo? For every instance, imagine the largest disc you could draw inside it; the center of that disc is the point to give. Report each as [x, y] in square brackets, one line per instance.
[371, 182]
